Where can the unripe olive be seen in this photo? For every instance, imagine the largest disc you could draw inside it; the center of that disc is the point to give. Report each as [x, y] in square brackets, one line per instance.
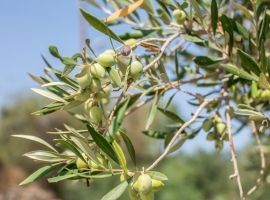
[88, 105]
[147, 196]
[218, 120]
[130, 42]
[85, 80]
[133, 194]
[136, 70]
[156, 185]
[93, 165]
[107, 89]
[177, 14]
[84, 95]
[125, 50]
[181, 20]
[144, 183]
[221, 127]
[97, 71]
[110, 51]
[95, 114]
[265, 95]
[105, 100]
[95, 85]
[98, 96]
[207, 124]
[81, 165]
[106, 60]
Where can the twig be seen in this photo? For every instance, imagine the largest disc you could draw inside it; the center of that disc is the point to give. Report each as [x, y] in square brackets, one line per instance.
[176, 47]
[255, 132]
[113, 110]
[228, 118]
[168, 41]
[194, 117]
[138, 106]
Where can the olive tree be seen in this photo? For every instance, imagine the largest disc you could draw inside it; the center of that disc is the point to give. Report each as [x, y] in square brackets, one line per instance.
[217, 48]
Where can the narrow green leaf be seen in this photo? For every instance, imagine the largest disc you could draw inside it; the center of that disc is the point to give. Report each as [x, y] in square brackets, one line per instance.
[67, 144]
[72, 104]
[245, 11]
[102, 143]
[118, 119]
[263, 83]
[37, 79]
[169, 101]
[246, 112]
[129, 146]
[84, 147]
[171, 115]
[157, 175]
[238, 72]
[120, 156]
[114, 76]
[239, 28]
[227, 27]
[206, 60]
[36, 139]
[99, 25]
[249, 62]
[152, 112]
[192, 38]
[46, 156]
[48, 94]
[168, 138]
[214, 15]
[39, 173]
[75, 132]
[61, 177]
[263, 57]
[176, 65]
[130, 100]
[196, 8]
[87, 42]
[155, 134]
[177, 145]
[54, 51]
[69, 61]
[256, 117]
[116, 192]
[264, 26]
[244, 106]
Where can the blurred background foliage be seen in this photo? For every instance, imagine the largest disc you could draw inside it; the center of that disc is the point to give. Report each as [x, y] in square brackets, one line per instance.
[192, 176]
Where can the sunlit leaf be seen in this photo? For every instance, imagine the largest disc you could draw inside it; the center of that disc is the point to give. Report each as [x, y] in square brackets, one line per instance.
[239, 72]
[99, 25]
[157, 175]
[120, 155]
[40, 173]
[116, 192]
[48, 94]
[129, 146]
[36, 139]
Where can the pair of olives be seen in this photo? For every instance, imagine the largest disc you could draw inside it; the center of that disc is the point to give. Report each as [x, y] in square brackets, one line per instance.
[179, 16]
[90, 164]
[144, 188]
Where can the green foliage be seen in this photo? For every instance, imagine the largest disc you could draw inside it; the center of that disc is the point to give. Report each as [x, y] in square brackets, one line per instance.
[230, 59]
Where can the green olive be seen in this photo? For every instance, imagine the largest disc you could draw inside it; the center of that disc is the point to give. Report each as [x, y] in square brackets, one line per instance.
[97, 71]
[147, 196]
[96, 114]
[93, 165]
[156, 185]
[130, 42]
[84, 95]
[85, 80]
[144, 183]
[95, 85]
[81, 165]
[110, 51]
[177, 14]
[98, 96]
[136, 70]
[88, 105]
[106, 60]
[133, 194]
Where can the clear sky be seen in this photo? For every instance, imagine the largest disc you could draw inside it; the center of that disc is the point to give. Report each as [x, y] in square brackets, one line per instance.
[28, 27]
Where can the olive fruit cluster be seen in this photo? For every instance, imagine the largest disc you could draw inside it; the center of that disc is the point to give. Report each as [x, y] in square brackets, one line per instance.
[179, 16]
[90, 164]
[144, 187]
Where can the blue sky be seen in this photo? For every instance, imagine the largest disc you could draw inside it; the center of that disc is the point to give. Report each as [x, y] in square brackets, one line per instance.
[27, 29]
